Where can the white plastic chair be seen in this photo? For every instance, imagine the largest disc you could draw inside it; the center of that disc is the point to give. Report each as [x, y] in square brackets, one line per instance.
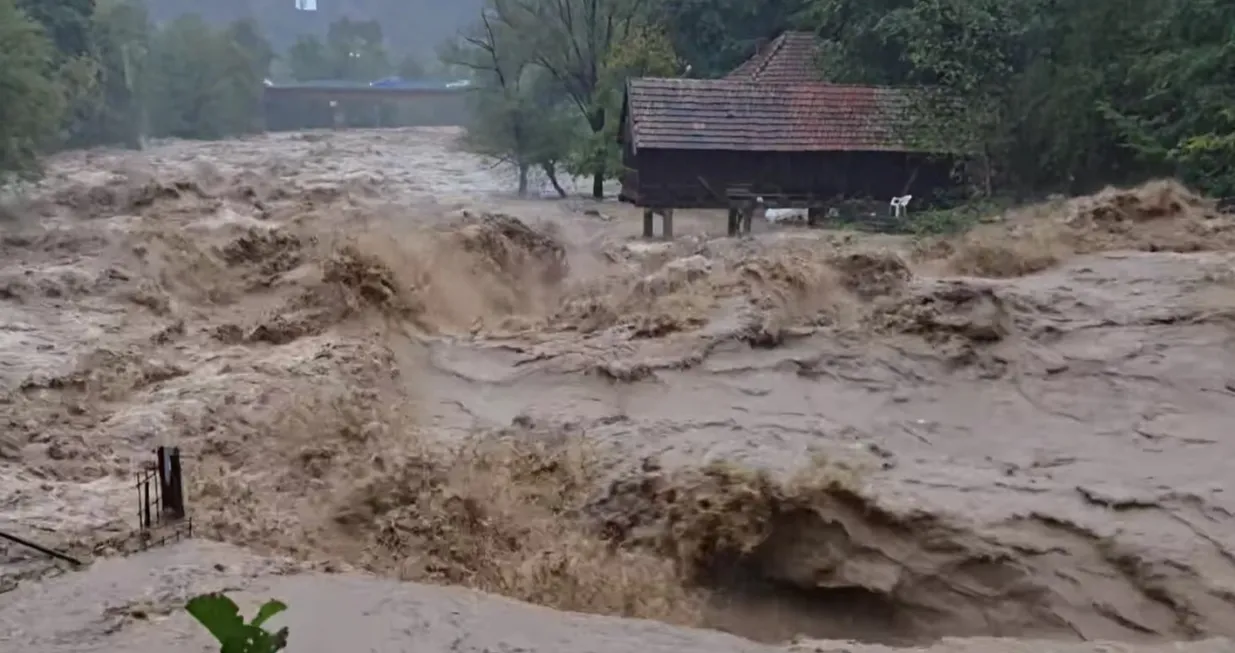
[900, 205]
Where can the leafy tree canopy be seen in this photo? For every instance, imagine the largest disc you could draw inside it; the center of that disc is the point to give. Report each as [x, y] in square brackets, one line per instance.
[33, 101]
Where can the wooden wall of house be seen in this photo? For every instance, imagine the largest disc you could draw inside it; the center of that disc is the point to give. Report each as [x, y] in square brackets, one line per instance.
[699, 178]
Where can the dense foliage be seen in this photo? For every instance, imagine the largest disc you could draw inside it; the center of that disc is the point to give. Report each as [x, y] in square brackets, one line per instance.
[32, 102]
[564, 62]
[1060, 96]
[86, 74]
[1048, 96]
[76, 73]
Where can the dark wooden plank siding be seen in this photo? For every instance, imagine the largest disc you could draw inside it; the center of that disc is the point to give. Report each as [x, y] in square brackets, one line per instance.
[700, 179]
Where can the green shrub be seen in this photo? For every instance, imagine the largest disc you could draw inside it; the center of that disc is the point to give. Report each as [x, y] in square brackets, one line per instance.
[220, 615]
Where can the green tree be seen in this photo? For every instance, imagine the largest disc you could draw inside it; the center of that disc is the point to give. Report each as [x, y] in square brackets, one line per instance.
[308, 60]
[201, 83]
[356, 50]
[31, 103]
[1052, 95]
[1177, 110]
[249, 59]
[121, 36]
[248, 36]
[963, 49]
[67, 23]
[646, 52]
[572, 40]
[518, 116]
[352, 50]
[715, 36]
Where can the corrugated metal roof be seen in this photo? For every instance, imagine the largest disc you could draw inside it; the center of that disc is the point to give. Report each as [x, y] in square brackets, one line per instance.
[726, 114]
[791, 58]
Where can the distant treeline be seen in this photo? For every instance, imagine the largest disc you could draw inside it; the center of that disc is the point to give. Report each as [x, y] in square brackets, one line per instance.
[85, 75]
[1047, 96]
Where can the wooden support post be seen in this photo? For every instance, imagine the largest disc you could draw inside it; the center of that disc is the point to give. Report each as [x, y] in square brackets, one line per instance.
[648, 230]
[666, 221]
[733, 221]
[147, 518]
[747, 216]
[171, 483]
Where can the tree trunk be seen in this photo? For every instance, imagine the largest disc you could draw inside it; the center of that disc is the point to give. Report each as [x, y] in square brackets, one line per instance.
[598, 186]
[988, 172]
[551, 173]
[597, 123]
[523, 168]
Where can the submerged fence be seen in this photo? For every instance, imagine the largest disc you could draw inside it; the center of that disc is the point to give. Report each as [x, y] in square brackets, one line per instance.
[161, 513]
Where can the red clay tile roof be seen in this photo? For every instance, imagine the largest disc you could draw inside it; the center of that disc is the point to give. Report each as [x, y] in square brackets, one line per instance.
[724, 114]
[791, 58]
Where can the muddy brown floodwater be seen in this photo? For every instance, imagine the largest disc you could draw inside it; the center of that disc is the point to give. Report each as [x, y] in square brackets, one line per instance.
[382, 368]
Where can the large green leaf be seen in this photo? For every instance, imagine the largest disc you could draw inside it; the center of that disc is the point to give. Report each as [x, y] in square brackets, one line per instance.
[268, 610]
[219, 615]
